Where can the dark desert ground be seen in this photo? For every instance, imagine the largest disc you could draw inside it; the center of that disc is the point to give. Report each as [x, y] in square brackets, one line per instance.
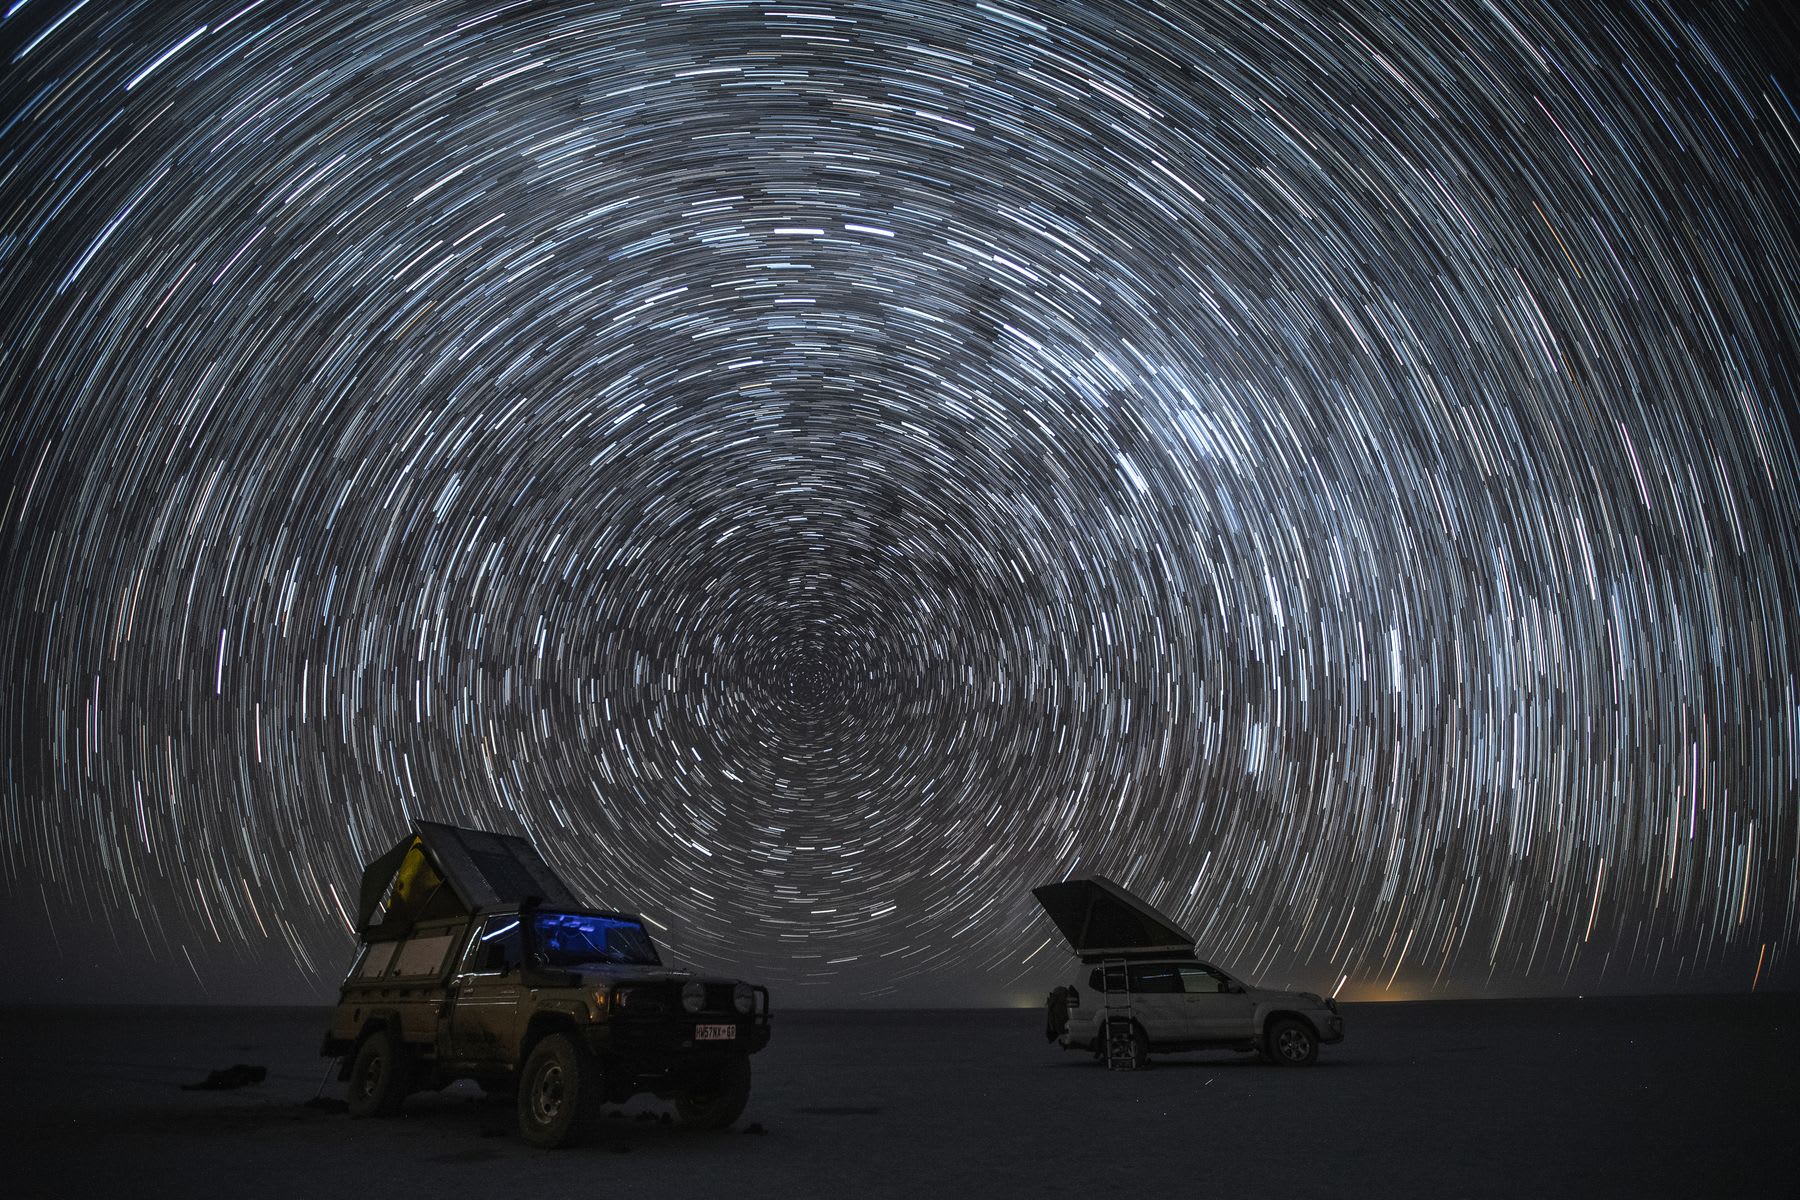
[1691, 1096]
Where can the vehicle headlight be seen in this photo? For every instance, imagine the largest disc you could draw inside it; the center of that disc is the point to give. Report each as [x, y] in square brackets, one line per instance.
[693, 995]
[742, 998]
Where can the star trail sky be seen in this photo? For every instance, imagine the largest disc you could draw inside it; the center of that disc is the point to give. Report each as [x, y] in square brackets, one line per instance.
[822, 470]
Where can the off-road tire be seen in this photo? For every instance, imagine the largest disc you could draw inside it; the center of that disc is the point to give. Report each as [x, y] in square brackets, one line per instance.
[721, 1099]
[1140, 1047]
[560, 1092]
[380, 1076]
[1290, 1042]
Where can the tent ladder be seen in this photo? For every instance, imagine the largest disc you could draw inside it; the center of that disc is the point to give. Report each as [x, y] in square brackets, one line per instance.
[1115, 1015]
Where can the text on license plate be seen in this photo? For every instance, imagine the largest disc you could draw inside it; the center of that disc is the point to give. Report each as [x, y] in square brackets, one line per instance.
[715, 1033]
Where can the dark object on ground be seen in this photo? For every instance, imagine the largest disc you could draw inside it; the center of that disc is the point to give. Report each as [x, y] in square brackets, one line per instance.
[235, 1076]
[755, 1127]
[479, 963]
[330, 1104]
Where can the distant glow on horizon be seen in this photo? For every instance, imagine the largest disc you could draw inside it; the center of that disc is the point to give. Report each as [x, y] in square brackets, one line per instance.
[823, 472]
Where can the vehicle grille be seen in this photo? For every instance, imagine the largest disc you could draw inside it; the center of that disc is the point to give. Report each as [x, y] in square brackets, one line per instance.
[647, 999]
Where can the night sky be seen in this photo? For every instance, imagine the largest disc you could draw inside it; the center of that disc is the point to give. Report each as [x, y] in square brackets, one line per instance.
[823, 469]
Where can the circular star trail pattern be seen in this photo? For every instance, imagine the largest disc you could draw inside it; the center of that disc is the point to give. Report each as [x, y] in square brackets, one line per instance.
[823, 470]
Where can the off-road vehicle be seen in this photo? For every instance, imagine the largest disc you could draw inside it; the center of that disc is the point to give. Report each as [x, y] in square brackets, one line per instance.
[1148, 993]
[477, 963]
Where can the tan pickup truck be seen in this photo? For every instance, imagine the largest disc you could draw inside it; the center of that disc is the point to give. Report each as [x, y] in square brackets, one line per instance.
[477, 963]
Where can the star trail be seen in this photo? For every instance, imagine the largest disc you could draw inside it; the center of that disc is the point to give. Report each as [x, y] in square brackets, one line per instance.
[821, 470]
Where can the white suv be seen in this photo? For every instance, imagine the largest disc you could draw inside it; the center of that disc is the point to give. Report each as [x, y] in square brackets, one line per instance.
[1158, 996]
[1179, 1004]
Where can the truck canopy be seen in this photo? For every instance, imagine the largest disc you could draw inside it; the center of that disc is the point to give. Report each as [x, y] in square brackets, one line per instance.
[445, 871]
[1103, 920]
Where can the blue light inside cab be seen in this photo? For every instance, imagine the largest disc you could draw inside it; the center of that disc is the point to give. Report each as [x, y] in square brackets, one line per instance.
[586, 924]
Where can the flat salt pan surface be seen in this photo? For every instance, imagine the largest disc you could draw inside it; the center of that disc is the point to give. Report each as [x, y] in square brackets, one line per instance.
[1670, 1096]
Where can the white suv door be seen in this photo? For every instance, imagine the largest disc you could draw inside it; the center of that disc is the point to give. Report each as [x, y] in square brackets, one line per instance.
[1157, 1002]
[1214, 1007]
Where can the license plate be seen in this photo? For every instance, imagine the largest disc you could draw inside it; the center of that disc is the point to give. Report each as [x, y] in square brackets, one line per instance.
[715, 1033]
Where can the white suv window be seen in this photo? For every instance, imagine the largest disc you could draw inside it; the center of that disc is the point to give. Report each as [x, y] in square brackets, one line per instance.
[1154, 977]
[1198, 978]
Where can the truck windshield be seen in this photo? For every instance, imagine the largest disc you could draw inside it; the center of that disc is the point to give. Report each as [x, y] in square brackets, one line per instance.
[574, 939]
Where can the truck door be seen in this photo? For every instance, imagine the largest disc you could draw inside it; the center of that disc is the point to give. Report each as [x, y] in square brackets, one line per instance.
[484, 1002]
[1216, 1008]
[1156, 1001]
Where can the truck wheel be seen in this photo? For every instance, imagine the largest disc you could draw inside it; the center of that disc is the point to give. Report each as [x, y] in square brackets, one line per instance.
[380, 1077]
[559, 1093]
[720, 1099]
[1292, 1043]
[1140, 1047]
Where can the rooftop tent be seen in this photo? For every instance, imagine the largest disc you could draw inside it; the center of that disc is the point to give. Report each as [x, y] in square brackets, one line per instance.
[1103, 920]
[443, 871]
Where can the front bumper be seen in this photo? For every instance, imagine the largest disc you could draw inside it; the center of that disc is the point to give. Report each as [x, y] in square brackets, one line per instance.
[655, 1028]
[649, 1038]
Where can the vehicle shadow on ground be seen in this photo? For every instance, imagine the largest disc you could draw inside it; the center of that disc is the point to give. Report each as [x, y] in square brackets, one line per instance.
[1247, 1062]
